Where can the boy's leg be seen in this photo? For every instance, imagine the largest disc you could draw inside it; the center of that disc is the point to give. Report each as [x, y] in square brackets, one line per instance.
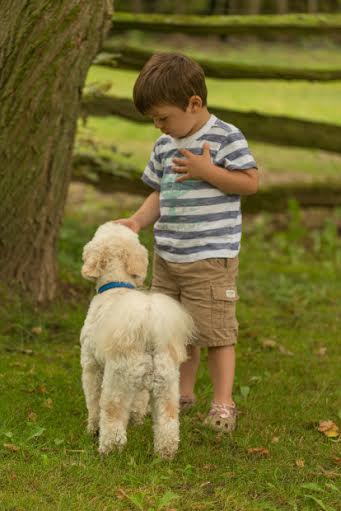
[221, 364]
[188, 371]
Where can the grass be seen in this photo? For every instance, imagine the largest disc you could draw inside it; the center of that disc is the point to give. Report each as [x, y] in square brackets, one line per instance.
[304, 100]
[313, 52]
[289, 294]
[277, 163]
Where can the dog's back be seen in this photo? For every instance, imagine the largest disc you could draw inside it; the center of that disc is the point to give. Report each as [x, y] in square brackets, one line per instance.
[121, 321]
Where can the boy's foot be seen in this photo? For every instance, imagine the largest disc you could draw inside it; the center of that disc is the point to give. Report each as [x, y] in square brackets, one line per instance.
[222, 418]
[186, 403]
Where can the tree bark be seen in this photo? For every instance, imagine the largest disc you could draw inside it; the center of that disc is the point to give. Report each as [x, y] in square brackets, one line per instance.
[253, 6]
[46, 48]
[282, 6]
[312, 6]
[137, 6]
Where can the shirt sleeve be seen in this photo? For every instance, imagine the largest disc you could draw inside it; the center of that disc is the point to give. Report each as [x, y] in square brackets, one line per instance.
[234, 153]
[152, 174]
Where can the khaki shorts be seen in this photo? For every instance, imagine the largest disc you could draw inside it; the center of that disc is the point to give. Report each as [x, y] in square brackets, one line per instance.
[207, 289]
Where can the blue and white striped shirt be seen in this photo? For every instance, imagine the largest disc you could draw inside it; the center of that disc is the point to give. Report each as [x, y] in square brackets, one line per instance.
[198, 221]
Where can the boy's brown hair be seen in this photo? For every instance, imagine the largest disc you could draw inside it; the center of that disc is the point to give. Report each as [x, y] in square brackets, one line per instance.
[169, 78]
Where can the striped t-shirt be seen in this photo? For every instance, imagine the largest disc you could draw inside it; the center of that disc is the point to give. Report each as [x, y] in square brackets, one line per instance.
[198, 221]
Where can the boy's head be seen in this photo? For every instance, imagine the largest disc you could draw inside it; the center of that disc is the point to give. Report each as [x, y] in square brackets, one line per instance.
[171, 89]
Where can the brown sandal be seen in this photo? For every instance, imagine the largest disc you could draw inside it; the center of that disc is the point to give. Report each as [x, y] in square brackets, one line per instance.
[186, 403]
[222, 418]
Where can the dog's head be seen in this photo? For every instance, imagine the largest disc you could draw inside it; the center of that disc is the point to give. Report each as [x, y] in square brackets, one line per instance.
[115, 253]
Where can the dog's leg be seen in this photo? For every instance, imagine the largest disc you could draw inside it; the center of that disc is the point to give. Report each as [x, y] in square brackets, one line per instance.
[165, 405]
[140, 406]
[92, 376]
[123, 377]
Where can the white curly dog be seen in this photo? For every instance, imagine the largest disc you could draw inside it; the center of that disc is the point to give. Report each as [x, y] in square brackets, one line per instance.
[132, 344]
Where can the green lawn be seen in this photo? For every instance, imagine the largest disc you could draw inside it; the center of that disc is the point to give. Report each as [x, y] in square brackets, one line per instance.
[305, 52]
[289, 294]
[276, 163]
[304, 100]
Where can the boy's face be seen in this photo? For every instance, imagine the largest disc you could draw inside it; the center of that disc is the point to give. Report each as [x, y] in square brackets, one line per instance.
[174, 121]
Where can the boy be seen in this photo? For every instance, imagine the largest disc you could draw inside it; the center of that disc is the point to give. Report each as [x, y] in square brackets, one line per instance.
[198, 169]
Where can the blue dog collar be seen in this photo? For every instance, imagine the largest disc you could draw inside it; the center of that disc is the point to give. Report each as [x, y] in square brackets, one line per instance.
[112, 285]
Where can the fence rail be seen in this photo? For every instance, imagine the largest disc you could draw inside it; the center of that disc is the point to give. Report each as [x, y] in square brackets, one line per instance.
[130, 57]
[263, 25]
[278, 130]
[109, 177]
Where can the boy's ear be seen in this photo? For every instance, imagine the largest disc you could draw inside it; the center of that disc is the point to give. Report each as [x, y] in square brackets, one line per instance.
[195, 102]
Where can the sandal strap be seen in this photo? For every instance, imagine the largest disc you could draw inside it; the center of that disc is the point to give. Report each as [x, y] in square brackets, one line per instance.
[187, 400]
[223, 411]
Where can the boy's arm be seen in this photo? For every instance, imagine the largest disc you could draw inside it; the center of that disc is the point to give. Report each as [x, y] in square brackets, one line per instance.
[146, 215]
[241, 182]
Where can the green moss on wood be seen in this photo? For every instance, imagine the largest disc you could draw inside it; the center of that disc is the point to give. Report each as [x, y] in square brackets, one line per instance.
[129, 57]
[228, 25]
[266, 128]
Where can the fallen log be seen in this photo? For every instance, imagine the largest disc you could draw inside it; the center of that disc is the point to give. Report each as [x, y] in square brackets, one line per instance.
[129, 57]
[109, 177]
[277, 130]
[262, 25]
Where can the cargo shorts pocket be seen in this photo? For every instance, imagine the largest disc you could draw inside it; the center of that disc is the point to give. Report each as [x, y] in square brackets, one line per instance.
[223, 311]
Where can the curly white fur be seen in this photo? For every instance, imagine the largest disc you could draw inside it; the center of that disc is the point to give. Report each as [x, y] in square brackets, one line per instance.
[132, 344]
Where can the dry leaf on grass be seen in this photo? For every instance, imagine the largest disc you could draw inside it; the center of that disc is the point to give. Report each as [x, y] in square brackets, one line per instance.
[37, 330]
[299, 463]
[260, 451]
[269, 343]
[32, 417]
[284, 351]
[41, 389]
[275, 440]
[11, 447]
[48, 403]
[320, 352]
[329, 428]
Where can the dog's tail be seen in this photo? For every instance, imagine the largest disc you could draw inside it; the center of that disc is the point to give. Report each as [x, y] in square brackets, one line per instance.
[170, 325]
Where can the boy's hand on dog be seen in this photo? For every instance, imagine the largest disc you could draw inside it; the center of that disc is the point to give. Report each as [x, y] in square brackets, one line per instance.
[193, 166]
[129, 222]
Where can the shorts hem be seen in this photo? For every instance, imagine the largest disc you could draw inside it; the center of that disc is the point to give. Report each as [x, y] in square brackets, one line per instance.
[227, 342]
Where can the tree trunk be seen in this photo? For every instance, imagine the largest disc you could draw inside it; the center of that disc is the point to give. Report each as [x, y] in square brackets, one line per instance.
[46, 48]
[282, 6]
[137, 6]
[312, 6]
[253, 6]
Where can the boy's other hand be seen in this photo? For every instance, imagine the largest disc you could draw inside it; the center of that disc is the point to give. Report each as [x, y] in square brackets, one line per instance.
[192, 166]
[129, 222]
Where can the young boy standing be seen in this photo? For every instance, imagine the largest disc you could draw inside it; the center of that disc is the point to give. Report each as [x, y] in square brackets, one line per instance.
[198, 169]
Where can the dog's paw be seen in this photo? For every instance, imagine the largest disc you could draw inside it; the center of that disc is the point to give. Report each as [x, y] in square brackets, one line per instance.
[116, 440]
[167, 453]
[93, 429]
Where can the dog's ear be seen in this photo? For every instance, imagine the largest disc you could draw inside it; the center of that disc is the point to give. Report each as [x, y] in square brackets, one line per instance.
[94, 261]
[135, 258]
